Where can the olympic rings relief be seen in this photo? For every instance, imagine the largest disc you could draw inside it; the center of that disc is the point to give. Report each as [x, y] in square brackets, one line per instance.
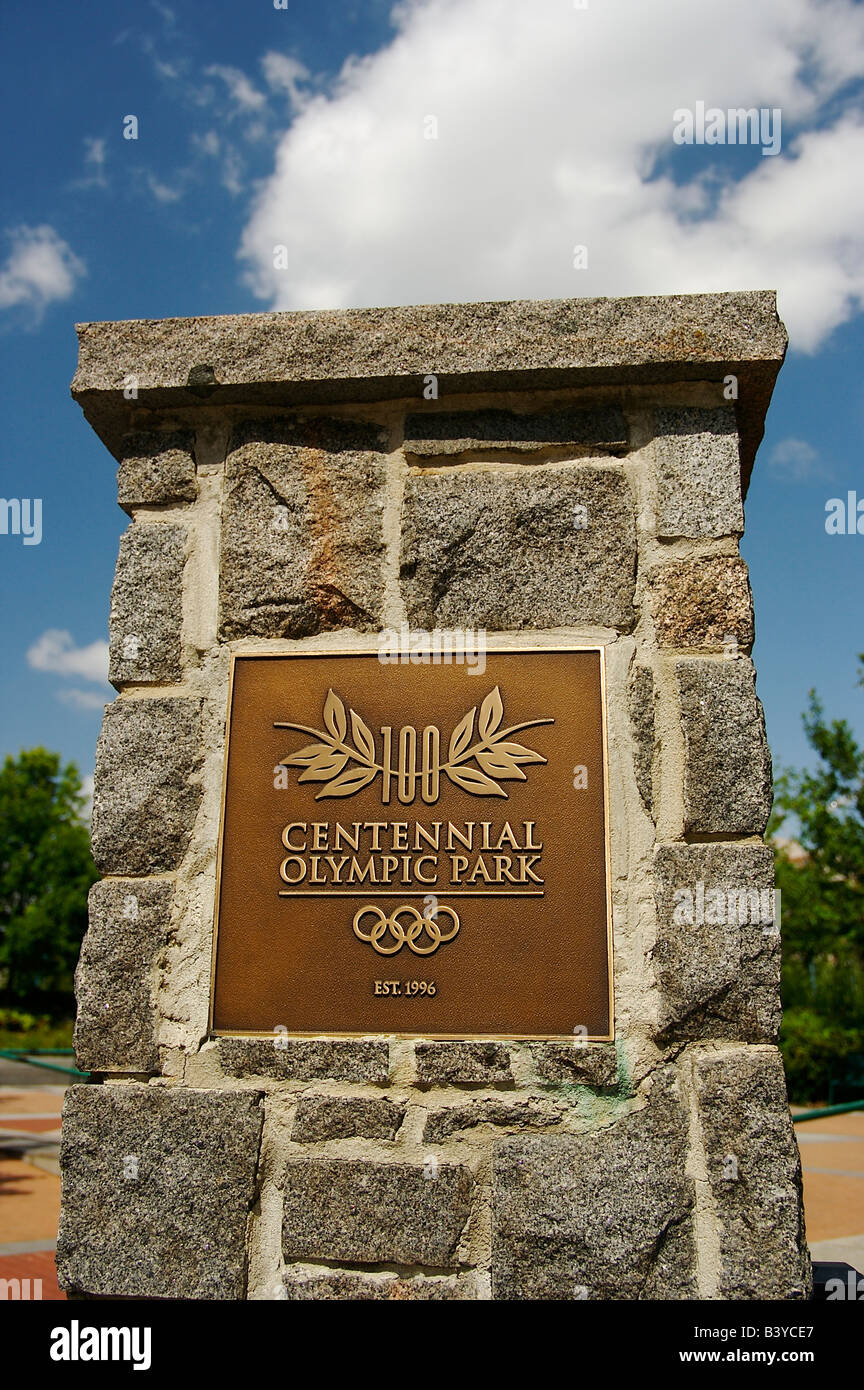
[410, 936]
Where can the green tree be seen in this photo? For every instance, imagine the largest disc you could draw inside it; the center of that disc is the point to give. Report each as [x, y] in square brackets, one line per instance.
[822, 899]
[45, 873]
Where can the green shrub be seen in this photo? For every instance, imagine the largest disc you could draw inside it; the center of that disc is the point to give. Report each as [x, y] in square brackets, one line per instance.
[23, 1032]
[815, 1049]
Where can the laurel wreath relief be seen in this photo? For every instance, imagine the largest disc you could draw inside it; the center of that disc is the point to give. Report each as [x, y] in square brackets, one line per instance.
[347, 766]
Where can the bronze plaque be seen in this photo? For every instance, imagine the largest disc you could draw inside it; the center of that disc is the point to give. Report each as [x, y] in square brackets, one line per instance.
[415, 848]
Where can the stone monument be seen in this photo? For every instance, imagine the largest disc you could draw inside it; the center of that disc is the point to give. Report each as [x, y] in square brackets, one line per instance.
[418, 606]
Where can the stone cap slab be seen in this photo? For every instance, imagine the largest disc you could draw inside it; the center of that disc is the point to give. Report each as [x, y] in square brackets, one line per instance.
[343, 355]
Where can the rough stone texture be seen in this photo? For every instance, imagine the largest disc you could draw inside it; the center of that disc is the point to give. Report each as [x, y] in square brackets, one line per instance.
[147, 605]
[642, 701]
[727, 778]
[371, 1213]
[178, 1228]
[384, 346]
[145, 802]
[504, 550]
[702, 603]
[607, 1212]
[698, 473]
[350, 1287]
[378, 354]
[462, 1063]
[156, 469]
[718, 977]
[755, 1174]
[436, 433]
[521, 1114]
[302, 540]
[115, 1027]
[302, 552]
[344, 1117]
[584, 1065]
[301, 1059]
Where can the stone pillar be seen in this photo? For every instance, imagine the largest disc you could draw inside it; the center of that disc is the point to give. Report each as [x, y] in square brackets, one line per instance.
[425, 464]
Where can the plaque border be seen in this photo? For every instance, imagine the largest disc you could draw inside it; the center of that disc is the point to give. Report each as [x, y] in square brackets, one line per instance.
[498, 647]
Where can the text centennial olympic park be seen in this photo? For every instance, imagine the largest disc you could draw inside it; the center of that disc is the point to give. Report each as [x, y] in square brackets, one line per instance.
[400, 852]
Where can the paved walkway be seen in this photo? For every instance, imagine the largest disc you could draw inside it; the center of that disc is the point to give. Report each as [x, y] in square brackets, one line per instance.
[832, 1159]
[30, 1121]
[29, 1181]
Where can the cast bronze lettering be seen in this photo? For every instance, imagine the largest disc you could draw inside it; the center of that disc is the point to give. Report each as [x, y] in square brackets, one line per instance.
[365, 804]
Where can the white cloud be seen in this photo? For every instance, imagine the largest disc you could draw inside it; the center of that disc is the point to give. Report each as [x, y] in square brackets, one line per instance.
[94, 150]
[94, 160]
[40, 268]
[207, 144]
[83, 699]
[55, 651]
[232, 171]
[163, 192]
[284, 74]
[796, 461]
[256, 131]
[168, 16]
[555, 130]
[163, 69]
[240, 89]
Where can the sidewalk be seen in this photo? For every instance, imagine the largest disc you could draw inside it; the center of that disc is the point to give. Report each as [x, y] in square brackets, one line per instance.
[30, 1183]
[832, 1159]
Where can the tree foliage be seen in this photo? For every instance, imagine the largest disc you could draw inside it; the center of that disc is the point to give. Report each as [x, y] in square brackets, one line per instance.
[45, 873]
[822, 904]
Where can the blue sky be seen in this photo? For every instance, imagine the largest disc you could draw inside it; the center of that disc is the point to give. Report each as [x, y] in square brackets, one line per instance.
[308, 127]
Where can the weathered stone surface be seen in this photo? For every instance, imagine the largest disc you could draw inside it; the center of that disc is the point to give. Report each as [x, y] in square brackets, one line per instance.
[755, 1174]
[642, 701]
[158, 1182]
[577, 1064]
[342, 1117]
[517, 1114]
[301, 1059]
[462, 1063]
[303, 553]
[471, 342]
[156, 469]
[456, 432]
[147, 605]
[350, 1287]
[510, 550]
[371, 1213]
[702, 603]
[717, 955]
[727, 778]
[698, 473]
[302, 540]
[382, 354]
[468, 341]
[602, 1215]
[115, 1027]
[145, 800]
